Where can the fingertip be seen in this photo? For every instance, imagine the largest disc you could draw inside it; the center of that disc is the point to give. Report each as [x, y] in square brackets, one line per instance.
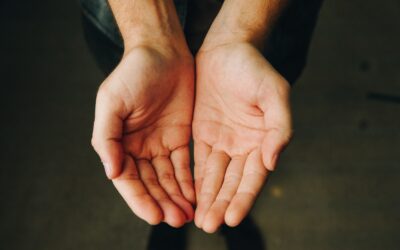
[210, 229]
[185, 206]
[232, 219]
[272, 146]
[269, 161]
[174, 216]
[235, 213]
[198, 219]
[155, 219]
[176, 221]
[211, 222]
[201, 212]
[112, 172]
[147, 209]
[112, 158]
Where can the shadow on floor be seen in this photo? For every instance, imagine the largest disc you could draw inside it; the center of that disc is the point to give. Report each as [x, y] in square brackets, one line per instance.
[245, 236]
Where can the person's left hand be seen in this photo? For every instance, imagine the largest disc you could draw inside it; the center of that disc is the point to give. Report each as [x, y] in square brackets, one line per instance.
[241, 123]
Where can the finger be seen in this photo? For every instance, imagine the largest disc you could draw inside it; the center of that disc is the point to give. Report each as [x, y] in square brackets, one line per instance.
[135, 194]
[213, 177]
[166, 177]
[215, 215]
[254, 176]
[107, 132]
[201, 153]
[273, 100]
[173, 215]
[180, 159]
[273, 144]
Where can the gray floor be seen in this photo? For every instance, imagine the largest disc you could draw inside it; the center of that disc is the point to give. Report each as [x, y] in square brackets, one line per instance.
[337, 186]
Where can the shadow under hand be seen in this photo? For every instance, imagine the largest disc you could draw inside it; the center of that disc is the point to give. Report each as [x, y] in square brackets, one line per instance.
[247, 235]
[165, 237]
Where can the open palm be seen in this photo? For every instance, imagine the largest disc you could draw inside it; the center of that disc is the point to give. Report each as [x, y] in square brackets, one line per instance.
[241, 123]
[142, 132]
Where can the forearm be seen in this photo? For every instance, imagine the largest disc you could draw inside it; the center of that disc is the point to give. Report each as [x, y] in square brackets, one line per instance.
[148, 22]
[244, 21]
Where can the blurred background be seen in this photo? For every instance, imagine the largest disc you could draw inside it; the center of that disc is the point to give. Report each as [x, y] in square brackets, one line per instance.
[337, 185]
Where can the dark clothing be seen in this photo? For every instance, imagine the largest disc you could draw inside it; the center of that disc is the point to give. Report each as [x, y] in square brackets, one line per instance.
[286, 47]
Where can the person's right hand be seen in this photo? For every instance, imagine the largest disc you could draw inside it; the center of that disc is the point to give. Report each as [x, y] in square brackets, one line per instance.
[142, 130]
[242, 122]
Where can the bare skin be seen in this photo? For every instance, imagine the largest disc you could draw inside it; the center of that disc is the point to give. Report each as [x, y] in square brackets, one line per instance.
[143, 119]
[242, 117]
[144, 114]
[240, 125]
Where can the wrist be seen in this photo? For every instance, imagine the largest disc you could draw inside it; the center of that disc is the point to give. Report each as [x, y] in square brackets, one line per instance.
[241, 22]
[229, 28]
[157, 31]
[167, 45]
[149, 23]
[219, 37]
[162, 53]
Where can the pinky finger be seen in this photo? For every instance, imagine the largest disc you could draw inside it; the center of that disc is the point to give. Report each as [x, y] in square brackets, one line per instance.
[180, 159]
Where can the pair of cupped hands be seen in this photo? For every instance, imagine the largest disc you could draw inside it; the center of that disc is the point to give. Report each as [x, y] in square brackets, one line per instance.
[232, 102]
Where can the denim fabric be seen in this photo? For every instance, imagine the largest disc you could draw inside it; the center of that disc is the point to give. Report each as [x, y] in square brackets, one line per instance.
[286, 47]
[99, 13]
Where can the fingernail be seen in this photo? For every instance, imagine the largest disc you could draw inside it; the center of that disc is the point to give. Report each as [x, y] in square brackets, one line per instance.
[107, 168]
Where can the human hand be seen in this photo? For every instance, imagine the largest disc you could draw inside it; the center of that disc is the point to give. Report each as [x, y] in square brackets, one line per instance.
[241, 123]
[142, 131]
[144, 111]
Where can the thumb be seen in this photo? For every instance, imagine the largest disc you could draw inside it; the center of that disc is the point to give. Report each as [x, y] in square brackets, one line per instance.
[273, 100]
[107, 132]
[273, 144]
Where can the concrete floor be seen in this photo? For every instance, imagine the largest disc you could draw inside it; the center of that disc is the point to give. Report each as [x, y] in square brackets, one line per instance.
[337, 186]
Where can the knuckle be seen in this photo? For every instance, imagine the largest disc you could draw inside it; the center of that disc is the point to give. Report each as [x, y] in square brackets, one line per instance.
[188, 182]
[252, 194]
[223, 199]
[232, 178]
[207, 194]
[254, 172]
[283, 86]
[104, 92]
[152, 182]
[287, 138]
[133, 176]
[167, 177]
[103, 89]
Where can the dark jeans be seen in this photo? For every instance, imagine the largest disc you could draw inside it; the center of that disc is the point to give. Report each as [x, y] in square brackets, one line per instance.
[106, 53]
[286, 47]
